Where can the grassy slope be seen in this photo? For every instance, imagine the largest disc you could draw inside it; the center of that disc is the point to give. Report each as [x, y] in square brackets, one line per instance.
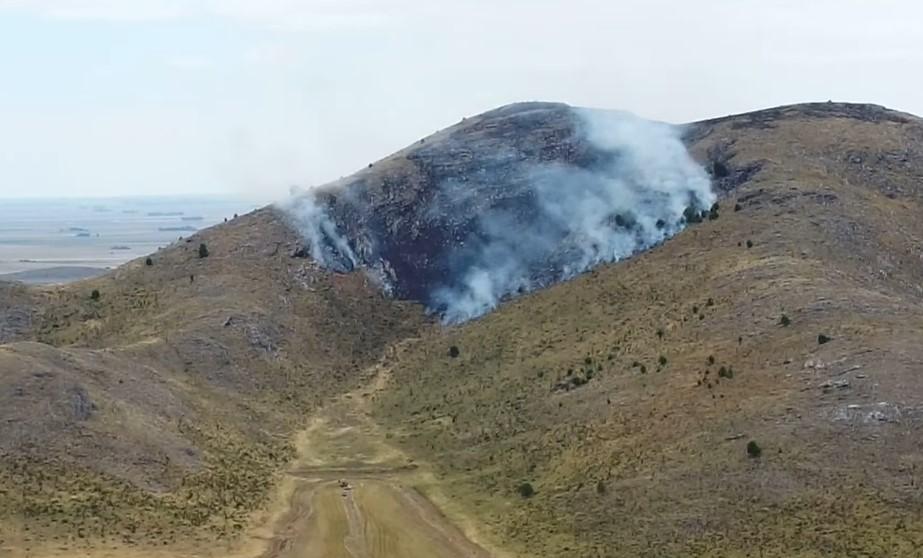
[652, 461]
[160, 412]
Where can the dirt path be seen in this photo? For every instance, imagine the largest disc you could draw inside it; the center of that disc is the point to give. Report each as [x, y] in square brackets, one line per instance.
[348, 494]
[351, 496]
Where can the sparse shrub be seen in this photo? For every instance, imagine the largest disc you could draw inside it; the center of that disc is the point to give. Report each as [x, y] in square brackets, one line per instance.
[749, 243]
[822, 339]
[95, 294]
[525, 490]
[203, 250]
[695, 309]
[784, 321]
[643, 369]
[753, 449]
[737, 207]
[600, 487]
[710, 302]
[692, 216]
[149, 262]
[660, 333]
[711, 359]
[453, 351]
[662, 360]
[724, 372]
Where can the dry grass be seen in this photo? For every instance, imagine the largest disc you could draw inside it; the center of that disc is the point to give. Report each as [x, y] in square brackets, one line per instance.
[161, 412]
[646, 456]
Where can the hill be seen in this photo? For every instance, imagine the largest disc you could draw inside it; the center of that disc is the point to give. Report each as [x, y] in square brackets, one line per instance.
[156, 404]
[749, 388]
[745, 383]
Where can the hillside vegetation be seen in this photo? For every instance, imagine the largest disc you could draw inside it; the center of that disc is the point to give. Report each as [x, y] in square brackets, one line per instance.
[156, 404]
[750, 387]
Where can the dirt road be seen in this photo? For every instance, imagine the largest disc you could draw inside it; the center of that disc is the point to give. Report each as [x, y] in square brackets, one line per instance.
[350, 497]
[348, 494]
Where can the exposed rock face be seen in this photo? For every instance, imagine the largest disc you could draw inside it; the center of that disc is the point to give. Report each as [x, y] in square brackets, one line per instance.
[506, 202]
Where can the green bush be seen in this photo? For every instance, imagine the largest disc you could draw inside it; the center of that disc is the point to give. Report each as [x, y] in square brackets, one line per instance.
[662, 360]
[753, 449]
[95, 294]
[525, 490]
[453, 351]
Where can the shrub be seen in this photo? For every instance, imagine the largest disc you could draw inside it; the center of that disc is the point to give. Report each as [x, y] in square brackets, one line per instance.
[203, 250]
[719, 170]
[662, 360]
[749, 244]
[643, 369]
[148, 262]
[600, 487]
[711, 359]
[753, 449]
[95, 294]
[525, 490]
[453, 351]
[737, 207]
[660, 333]
[692, 216]
[821, 339]
[784, 321]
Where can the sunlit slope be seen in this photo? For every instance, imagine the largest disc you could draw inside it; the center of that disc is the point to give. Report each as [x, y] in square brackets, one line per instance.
[156, 404]
[627, 398]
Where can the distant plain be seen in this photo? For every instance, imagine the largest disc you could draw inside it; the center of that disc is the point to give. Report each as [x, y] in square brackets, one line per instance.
[61, 240]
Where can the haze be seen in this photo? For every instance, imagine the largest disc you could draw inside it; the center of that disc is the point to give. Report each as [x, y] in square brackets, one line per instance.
[104, 97]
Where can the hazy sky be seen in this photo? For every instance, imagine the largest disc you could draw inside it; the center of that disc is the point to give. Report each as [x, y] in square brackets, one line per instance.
[103, 97]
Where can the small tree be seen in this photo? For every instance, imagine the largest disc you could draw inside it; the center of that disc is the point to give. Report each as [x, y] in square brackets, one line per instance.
[525, 490]
[203, 250]
[753, 449]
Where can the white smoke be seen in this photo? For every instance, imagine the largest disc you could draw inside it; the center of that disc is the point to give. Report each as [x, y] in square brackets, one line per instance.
[538, 223]
[328, 248]
[586, 217]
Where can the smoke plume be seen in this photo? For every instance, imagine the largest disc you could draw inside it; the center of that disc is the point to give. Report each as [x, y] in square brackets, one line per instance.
[510, 224]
